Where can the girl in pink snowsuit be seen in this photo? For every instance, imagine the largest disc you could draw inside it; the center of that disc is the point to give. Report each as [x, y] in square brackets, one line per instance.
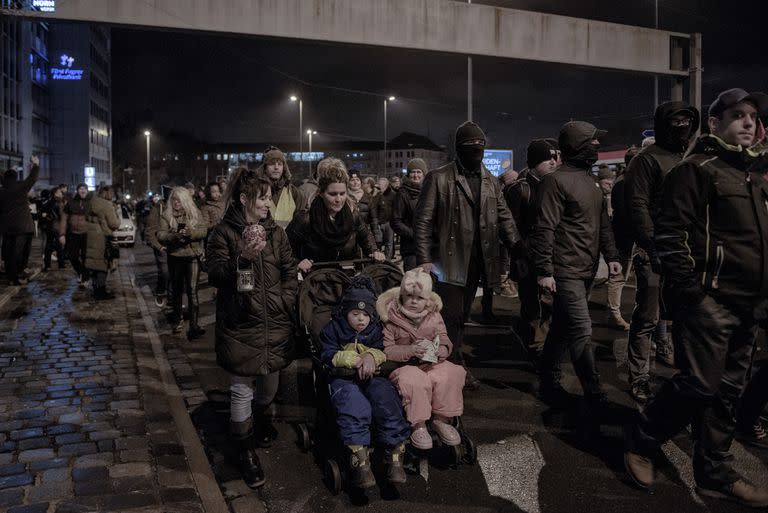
[414, 332]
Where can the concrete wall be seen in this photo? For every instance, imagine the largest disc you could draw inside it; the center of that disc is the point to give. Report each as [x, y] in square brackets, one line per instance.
[436, 25]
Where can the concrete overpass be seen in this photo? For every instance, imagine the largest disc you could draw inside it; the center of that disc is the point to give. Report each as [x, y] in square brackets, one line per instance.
[431, 25]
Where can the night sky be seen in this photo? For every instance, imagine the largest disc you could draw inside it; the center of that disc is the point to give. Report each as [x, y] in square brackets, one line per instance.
[235, 89]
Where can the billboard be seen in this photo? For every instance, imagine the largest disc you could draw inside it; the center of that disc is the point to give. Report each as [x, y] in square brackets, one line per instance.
[497, 162]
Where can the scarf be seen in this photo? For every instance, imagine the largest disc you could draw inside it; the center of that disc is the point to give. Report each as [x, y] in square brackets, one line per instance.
[330, 233]
[414, 317]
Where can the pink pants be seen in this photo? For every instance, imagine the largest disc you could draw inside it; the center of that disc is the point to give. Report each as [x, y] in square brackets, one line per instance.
[430, 388]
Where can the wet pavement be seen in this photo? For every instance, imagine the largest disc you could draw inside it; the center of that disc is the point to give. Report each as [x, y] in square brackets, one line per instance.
[103, 409]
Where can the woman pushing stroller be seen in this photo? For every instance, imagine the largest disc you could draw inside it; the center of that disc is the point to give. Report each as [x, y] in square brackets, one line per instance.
[250, 262]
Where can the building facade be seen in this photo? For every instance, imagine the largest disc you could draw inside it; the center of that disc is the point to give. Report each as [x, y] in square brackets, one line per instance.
[25, 96]
[81, 104]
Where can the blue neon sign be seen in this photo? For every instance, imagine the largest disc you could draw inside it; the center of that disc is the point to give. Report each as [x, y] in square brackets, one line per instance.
[66, 72]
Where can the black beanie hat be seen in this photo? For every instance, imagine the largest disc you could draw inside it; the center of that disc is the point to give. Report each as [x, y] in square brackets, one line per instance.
[539, 150]
[469, 131]
[360, 295]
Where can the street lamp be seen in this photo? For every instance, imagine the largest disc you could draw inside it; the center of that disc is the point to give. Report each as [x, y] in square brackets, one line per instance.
[386, 159]
[147, 133]
[295, 98]
[310, 133]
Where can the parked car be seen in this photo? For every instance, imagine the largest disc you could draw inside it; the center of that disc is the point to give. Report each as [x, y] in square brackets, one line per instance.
[126, 234]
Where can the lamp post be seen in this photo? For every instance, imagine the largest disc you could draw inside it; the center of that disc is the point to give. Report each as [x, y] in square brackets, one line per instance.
[147, 133]
[386, 159]
[128, 170]
[310, 133]
[295, 98]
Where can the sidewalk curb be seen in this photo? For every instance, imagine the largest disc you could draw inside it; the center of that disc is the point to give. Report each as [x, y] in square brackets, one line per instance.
[202, 474]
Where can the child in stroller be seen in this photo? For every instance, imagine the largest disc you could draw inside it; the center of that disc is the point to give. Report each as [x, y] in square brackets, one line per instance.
[353, 340]
[414, 332]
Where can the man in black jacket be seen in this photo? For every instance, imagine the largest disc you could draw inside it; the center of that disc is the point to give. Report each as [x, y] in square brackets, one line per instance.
[383, 204]
[571, 230]
[674, 125]
[404, 209]
[711, 236]
[460, 217]
[535, 304]
[16, 224]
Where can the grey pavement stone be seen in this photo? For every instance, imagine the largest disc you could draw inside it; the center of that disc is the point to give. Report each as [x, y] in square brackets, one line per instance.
[129, 500]
[40, 507]
[15, 480]
[55, 475]
[70, 438]
[174, 477]
[34, 443]
[37, 466]
[131, 484]
[26, 433]
[135, 455]
[11, 497]
[36, 455]
[247, 504]
[50, 491]
[6, 458]
[104, 435]
[79, 449]
[178, 494]
[92, 487]
[131, 442]
[72, 418]
[62, 429]
[94, 460]
[9, 470]
[130, 470]
[90, 474]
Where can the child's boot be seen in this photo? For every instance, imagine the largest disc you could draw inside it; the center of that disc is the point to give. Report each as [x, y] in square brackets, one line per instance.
[250, 466]
[394, 460]
[360, 467]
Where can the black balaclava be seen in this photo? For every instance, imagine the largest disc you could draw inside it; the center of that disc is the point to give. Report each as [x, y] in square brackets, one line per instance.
[575, 143]
[470, 156]
[674, 138]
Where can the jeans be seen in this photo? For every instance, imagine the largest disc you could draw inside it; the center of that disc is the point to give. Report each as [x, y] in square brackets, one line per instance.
[535, 309]
[15, 247]
[52, 244]
[714, 344]
[570, 330]
[245, 389]
[388, 240]
[161, 261]
[76, 247]
[457, 304]
[184, 274]
[645, 318]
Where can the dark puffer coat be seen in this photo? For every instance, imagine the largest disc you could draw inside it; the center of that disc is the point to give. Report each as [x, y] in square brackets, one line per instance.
[253, 329]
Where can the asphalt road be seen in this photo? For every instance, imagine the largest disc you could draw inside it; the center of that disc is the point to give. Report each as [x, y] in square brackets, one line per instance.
[530, 458]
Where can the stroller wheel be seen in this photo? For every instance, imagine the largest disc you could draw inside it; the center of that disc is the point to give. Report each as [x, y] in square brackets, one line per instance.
[305, 441]
[470, 451]
[332, 476]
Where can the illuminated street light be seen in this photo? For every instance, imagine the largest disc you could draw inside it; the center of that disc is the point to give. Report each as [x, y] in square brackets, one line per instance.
[147, 133]
[310, 133]
[386, 159]
[295, 98]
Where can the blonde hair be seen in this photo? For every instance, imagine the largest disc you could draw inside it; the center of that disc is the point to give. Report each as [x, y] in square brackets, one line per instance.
[331, 170]
[191, 213]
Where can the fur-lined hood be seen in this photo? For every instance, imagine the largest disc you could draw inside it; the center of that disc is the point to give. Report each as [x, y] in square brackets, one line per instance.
[391, 299]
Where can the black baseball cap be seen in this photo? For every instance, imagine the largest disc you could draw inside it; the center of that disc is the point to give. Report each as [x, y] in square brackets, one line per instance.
[731, 97]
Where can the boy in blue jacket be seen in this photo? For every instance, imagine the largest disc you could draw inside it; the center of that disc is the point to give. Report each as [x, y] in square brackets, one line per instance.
[353, 339]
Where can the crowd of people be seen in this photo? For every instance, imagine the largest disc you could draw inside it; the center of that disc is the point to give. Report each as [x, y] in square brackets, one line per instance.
[688, 214]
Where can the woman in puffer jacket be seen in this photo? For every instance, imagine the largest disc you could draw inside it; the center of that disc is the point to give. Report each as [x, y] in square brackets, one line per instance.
[251, 264]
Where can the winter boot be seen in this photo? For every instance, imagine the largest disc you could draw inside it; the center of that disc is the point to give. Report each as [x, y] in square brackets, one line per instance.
[195, 331]
[250, 466]
[264, 431]
[394, 460]
[360, 467]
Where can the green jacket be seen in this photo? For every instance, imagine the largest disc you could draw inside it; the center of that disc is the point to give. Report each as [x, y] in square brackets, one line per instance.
[102, 219]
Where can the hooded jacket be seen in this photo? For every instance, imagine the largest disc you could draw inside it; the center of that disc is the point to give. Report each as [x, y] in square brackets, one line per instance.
[402, 215]
[15, 216]
[712, 230]
[572, 227]
[400, 333]
[253, 329]
[646, 172]
[102, 221]
[444, 224]
[73, 216]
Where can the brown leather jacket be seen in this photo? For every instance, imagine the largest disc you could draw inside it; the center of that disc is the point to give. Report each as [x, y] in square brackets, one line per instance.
[444, 225]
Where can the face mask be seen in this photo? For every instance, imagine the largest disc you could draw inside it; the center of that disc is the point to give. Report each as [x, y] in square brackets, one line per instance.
[586, 156]
[679, 136]
[471, 157]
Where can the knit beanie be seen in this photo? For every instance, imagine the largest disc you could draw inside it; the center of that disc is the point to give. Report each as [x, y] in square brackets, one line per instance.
[539, 150]
[273, 153]
[416, 164]
[469, 131]
[416, 282]
[360, 295]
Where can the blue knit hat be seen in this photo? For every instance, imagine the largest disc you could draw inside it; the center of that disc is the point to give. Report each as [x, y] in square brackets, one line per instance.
[360, 295]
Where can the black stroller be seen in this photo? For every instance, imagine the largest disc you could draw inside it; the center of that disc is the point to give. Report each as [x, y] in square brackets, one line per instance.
[318, 294]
